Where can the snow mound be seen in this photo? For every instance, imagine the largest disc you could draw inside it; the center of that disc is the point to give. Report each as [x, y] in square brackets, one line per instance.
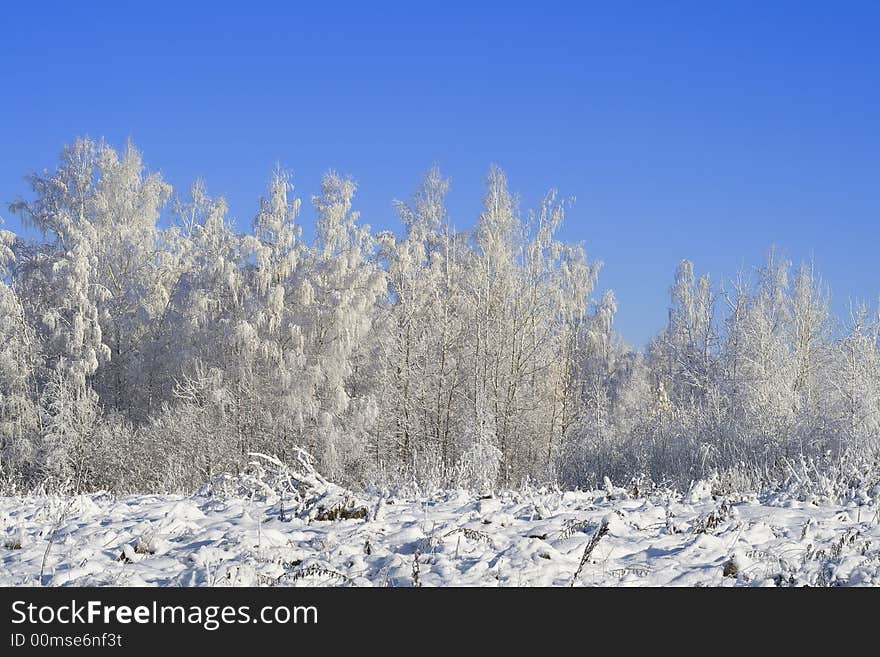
[700, 492]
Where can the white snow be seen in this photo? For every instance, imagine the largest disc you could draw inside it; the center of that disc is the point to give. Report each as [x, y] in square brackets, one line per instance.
[535, 538]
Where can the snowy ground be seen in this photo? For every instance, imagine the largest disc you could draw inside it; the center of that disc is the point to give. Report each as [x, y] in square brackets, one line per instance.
[454, 538]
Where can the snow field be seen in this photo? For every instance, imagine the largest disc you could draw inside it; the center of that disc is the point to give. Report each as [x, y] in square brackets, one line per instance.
[450, 538]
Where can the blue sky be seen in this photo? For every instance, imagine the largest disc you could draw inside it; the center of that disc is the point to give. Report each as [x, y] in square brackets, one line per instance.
[707, 130]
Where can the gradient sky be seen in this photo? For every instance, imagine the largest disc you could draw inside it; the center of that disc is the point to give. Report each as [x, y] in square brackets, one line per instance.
[705, 130]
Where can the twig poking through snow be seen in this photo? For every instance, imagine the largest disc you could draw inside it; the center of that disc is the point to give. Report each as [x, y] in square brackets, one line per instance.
[52, 537]
[415, 569]
[603, 529]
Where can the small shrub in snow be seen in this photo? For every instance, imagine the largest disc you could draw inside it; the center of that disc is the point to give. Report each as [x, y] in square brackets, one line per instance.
[297, 490]
[472, 534]
[317, 570]
[572, 527]
[14, 541]
[708, 522]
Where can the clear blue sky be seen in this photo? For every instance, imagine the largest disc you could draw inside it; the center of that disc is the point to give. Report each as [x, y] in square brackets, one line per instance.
[706, 130]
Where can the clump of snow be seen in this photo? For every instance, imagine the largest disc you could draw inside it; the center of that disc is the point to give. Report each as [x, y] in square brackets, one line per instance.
[613, 492]
[700, 491]
[614, 523]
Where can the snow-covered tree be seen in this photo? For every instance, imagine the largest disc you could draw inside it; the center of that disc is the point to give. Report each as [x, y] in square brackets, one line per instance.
[855, 381]
[58, 281]
[19, 354]
[684, 351]
[423, 344]
[339, 299]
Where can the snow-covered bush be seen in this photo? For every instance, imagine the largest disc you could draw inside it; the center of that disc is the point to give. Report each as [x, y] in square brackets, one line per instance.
[294, 490]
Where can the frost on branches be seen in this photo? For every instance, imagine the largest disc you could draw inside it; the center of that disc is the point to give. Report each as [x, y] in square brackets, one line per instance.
[139, 355]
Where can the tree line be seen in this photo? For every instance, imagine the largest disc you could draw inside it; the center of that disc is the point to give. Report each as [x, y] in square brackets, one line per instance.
[146, 355]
